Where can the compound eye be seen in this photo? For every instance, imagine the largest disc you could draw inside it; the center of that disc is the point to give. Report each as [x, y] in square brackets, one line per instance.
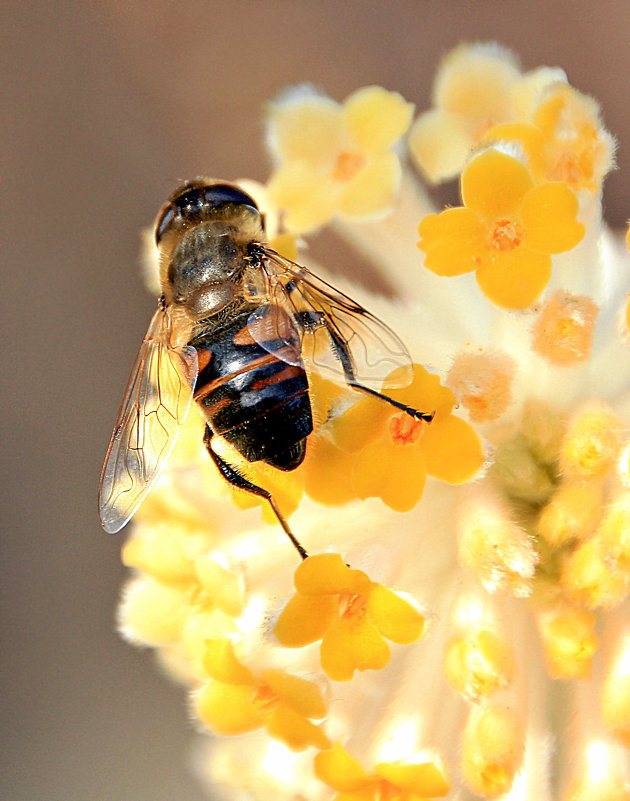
[189, 203]
[224, 193]
[193, 202]
[164, 222]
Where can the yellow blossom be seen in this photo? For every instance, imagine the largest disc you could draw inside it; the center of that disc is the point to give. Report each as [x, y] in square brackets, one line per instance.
[563, 331]
[479, 662]
[482, 383]
[235, 701]
[564, 139]
[349, 613]
[403, 780]
[568, 637]
[571, 513]
[394, 452]
[578, 149]
[492, 749]
[591, 443]
[477, 87]
[506, 231]
[335, 158]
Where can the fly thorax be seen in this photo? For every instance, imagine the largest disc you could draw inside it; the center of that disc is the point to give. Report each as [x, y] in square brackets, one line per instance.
[205, 270]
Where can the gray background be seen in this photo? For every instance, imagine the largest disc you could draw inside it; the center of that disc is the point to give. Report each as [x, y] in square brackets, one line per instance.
[106, 106]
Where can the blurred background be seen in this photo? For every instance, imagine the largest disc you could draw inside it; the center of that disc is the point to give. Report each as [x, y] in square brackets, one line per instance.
[107, 105]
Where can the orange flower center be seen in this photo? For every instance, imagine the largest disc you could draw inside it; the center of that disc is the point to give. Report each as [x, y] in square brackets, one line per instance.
[265, 699]
[506, 235]
[404, 429]
[386, 791]
[352, 606]
[347, 166]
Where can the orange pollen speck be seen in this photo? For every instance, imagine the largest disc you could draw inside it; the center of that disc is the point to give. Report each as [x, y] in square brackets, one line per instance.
[404, 429]
[387, 792]
[265, 698]
[506, 235]
[347, 166]
[567, 169]
[352, 606]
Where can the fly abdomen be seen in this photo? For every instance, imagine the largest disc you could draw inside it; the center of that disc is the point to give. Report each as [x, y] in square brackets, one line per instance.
[256, 401]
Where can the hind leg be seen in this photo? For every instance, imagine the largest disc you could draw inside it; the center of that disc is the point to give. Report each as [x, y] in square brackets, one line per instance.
[234, 478]
[311, 320]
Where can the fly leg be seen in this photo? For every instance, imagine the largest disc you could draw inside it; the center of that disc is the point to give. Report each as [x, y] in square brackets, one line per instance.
[312, 320]
[233, 477]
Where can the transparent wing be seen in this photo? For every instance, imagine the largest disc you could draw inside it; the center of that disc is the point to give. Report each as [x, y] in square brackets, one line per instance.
[155, 404]
[336, 334]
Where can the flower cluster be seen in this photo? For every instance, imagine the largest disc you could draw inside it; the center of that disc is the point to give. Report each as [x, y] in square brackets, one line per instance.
[477, 563]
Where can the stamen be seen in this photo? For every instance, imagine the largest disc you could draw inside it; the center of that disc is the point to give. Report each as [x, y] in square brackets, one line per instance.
[404, 429]
[506, 234]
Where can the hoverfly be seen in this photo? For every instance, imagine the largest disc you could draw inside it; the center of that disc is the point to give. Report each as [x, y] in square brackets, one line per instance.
[233, 328]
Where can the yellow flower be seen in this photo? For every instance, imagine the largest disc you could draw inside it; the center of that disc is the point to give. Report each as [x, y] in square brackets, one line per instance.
[477, 87]
[402, 780]
[482, 383]
[335, 158]
[563, 332]
[564, 140]
[578, 149]
[349, 613]
[396, 452]
[235, 701]
[506, 230]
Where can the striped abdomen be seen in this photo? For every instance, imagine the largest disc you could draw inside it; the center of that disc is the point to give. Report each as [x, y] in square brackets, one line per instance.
[258, 402]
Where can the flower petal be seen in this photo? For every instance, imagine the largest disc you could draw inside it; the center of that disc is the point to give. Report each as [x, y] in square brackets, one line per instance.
[227, 708]
[328, 474]
[453, 241]
[355, 646]
[224, 587]
[294, 731]
[452, 450]
[549, 218]
[439, 145]
[494, 184]
[306, 126]
[360, 424]
[374, 188]
[394, 473]
[425, 392]
[327, 573]
[515, 278]
[305, 619]
[393, 616]
[308, 197]
[301, 695]
[425, 779]
[475, 81]
[221, 663]
[375, 118]
[336, 768]
[529, 136]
